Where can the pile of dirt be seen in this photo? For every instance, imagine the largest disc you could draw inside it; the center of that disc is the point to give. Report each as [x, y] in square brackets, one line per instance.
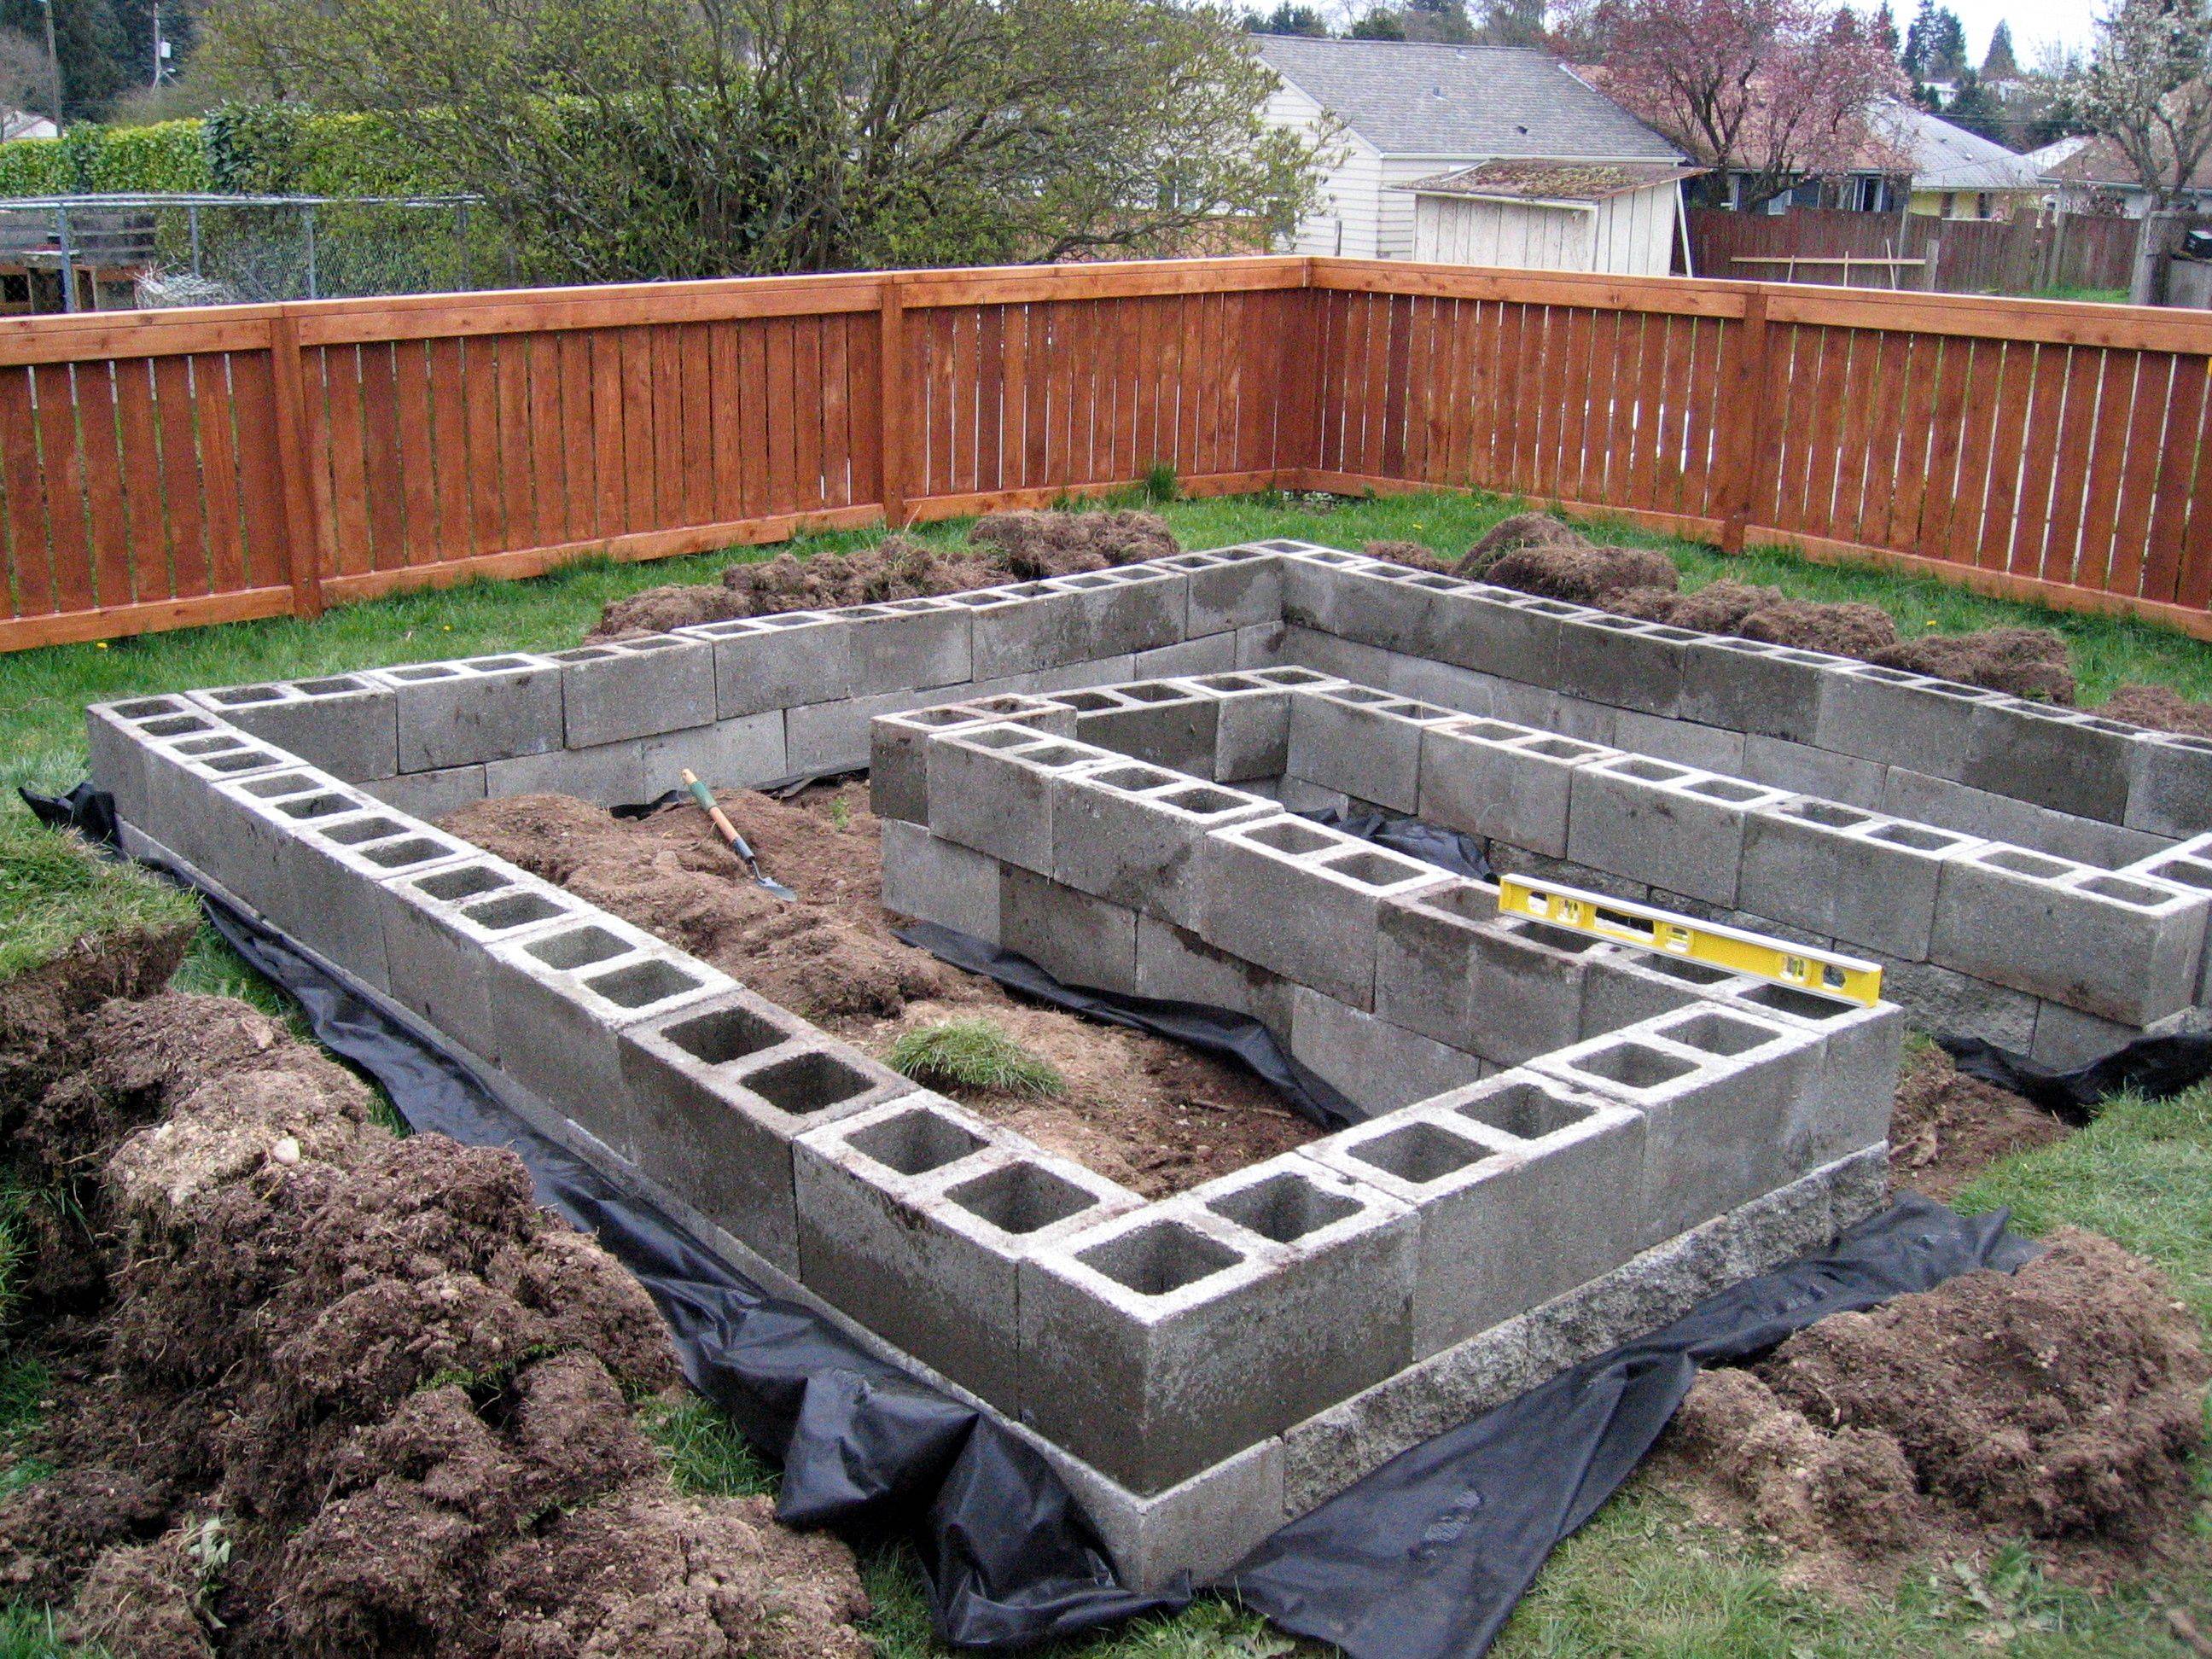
[1945, 1126]
[1005, 547]
[331, 1391]
[1407, 553]
[2162, 709]
[2062, 1403]
[2022, 662]
[1579, 572]
[1138, 1109]
[1842, 629]
[40, 1006]
[1523, 531]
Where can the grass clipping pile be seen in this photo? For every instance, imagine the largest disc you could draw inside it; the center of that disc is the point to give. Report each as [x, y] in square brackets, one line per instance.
[320, 1389]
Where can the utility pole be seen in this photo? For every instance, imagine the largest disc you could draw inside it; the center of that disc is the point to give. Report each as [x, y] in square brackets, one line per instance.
[53, 68]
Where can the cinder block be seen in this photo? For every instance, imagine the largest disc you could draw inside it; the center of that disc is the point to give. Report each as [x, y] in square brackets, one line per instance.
[1491, 1172]
[230, 828]
[2066, 1039]
[1709, 748]
[1755, 687]
[1579, 718]
[610, 773]
[343, 723]
[1498, 631]
[1378, 1066]
[1860, 1047]
[1846, 874]
[1303, 902]
[1466, 689]
[1623, 987]
[1167, 1340]
[1260, 646]
[764, 662]
[1624, 663]
[1858, 1187]
[990, 788]
[1664, 824]
[558, 997]
[1717, 1089]
[1364, 742]
[2169, 783]
[1504, 988]
[1503, 781]
[437, 927]
[1177, 966]
[2061, 758]
[636, 688]
[898, 780]
[1214, 653]
[483, 708]
[720, 1092]
[1315, 593]
[431, 795]
[152, 753]
[1651, 1289]
[1158, 722]
[1327, 654]
[1083, 940]
[1252, 726]
[1898, 719]
[1374, 604]
[1203, 1526]
[1937, 999]
[1536, 707]
[1778, 1227]
[729, 754]
[2126, 947]
[1819, 772]
[1129, 834]
[1989, 817]
[1026, 627]
[939, 881]
[908, 645]
[1236, 587]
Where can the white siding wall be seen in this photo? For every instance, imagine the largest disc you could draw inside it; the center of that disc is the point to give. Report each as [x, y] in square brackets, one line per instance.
[1629, 235]
[1345, 223]
[1394, 222]
[1636, 233]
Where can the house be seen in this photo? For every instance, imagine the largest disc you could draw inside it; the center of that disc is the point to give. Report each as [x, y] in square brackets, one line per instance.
[1621, 217]
[22, 124]
[2092, 175]
[1919, 163]
[1403, 111]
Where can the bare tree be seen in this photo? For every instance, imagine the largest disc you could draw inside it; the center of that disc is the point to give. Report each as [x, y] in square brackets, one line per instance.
[2146, 87]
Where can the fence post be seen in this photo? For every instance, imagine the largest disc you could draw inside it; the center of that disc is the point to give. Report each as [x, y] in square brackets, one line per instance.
[890, 404]
[1743, 384]
[303, 539]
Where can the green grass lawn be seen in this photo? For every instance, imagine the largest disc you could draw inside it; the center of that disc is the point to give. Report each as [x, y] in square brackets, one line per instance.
[1644, 1578]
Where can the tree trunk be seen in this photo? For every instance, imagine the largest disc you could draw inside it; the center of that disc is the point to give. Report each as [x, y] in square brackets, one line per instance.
[2155, 245]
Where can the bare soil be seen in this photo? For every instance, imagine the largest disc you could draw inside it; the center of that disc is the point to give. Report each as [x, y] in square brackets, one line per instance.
[1947, 1127]
[1141, 1110]
[2062, 1403]
[2157, 707]
[320, 1390]
[1004, 547]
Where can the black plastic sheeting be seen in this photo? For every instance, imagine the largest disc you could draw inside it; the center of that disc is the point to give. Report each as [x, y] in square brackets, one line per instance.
[1219, 1031]
[2156, 1067]
[1427, 1557]
[1448, 849]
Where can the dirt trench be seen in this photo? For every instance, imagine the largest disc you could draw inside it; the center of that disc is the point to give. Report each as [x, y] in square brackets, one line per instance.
[317, 1389]
[1145, 1112]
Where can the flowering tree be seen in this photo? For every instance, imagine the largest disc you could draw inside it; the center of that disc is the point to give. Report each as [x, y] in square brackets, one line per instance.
[1772, 90]
[2146, 87]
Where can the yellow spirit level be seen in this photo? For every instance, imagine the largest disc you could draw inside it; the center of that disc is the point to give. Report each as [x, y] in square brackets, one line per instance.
[1823, 973]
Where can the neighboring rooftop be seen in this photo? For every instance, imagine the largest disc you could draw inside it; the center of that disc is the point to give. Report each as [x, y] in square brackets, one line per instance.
[1543, 180]
[2097, 161]
[1948, 157]
[1412, 98]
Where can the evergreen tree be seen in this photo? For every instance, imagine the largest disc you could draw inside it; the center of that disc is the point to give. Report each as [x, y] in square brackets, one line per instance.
[1998, 62]
[1974, 107]
[1935, 45]
[94, 48]
[1882, 26]
[1288, 19]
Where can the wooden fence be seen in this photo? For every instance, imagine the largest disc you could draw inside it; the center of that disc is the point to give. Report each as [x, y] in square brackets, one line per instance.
[163, 470]
[1955, 256]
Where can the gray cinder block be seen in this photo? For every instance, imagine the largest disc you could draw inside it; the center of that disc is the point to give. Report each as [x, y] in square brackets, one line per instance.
[1465, 690]
[939, 881]
[990, 788]
[346, 724]
[1503, 781]
[1214, 653]
[763, 663]
[1755, 687]
[1492, 1171]
[1860, 1046]
[728, 754]
[2124, 946]
[1378, 1066]
[1624, 986]
[906, 645]
[431, 795]
[1365, 742]
[149, 753]
[1623, 663]
[898, 781]
[1809, 771]
[2056, 757]
[1505, 988]
[1302, 902]
[438, 926]
[1202, 1528]
[610, 773]
[482, 709]
[1898, 719]
[1083, 940]
[635, 688]
[1664, 824]
[1178, 966]
[1498, 631]
[1718, 1089]
[1937, 999]
[1129, 834]
[2169, 783]
[1709, 748]
[559, 997]
[1234, 587]
[1845, 874]
[1160, 722]
[1327, 654]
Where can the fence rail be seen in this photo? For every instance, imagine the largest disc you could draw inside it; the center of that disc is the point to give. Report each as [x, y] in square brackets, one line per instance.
[1896, 250]
[167, 469]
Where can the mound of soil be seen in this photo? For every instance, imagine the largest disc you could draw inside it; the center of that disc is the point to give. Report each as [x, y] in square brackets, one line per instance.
[1003, 548]
[1945, 1126]
[329, 1391]
[1846, 629]
[1407, 553]
[2062, 1402]
[1580, 572]
[1717, 608]
[1141, 1110]
[40, 1007]
[1522, 530]
[2022, 662]
[2161, 708]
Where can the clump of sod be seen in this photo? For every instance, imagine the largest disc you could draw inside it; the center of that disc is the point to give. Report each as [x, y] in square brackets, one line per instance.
[972, 1053]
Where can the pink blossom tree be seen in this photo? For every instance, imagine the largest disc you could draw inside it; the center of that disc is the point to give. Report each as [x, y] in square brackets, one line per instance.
[1773, 91]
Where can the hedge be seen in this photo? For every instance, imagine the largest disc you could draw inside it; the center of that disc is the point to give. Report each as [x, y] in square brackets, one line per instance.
[256, 149]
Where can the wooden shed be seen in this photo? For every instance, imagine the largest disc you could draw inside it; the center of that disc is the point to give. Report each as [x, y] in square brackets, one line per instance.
[1621, 217]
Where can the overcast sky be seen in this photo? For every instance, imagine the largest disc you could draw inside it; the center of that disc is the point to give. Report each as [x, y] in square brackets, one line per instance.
[2034, 21]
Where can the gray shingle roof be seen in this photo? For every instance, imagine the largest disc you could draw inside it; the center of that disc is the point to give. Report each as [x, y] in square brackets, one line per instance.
[1407, 98]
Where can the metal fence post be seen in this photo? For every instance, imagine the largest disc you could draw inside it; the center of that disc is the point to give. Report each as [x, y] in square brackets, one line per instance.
[68, 264]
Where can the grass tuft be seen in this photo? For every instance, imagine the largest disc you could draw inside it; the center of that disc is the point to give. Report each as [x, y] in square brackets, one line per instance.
[55, 891]
[707, 1456]
[972, 1053]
